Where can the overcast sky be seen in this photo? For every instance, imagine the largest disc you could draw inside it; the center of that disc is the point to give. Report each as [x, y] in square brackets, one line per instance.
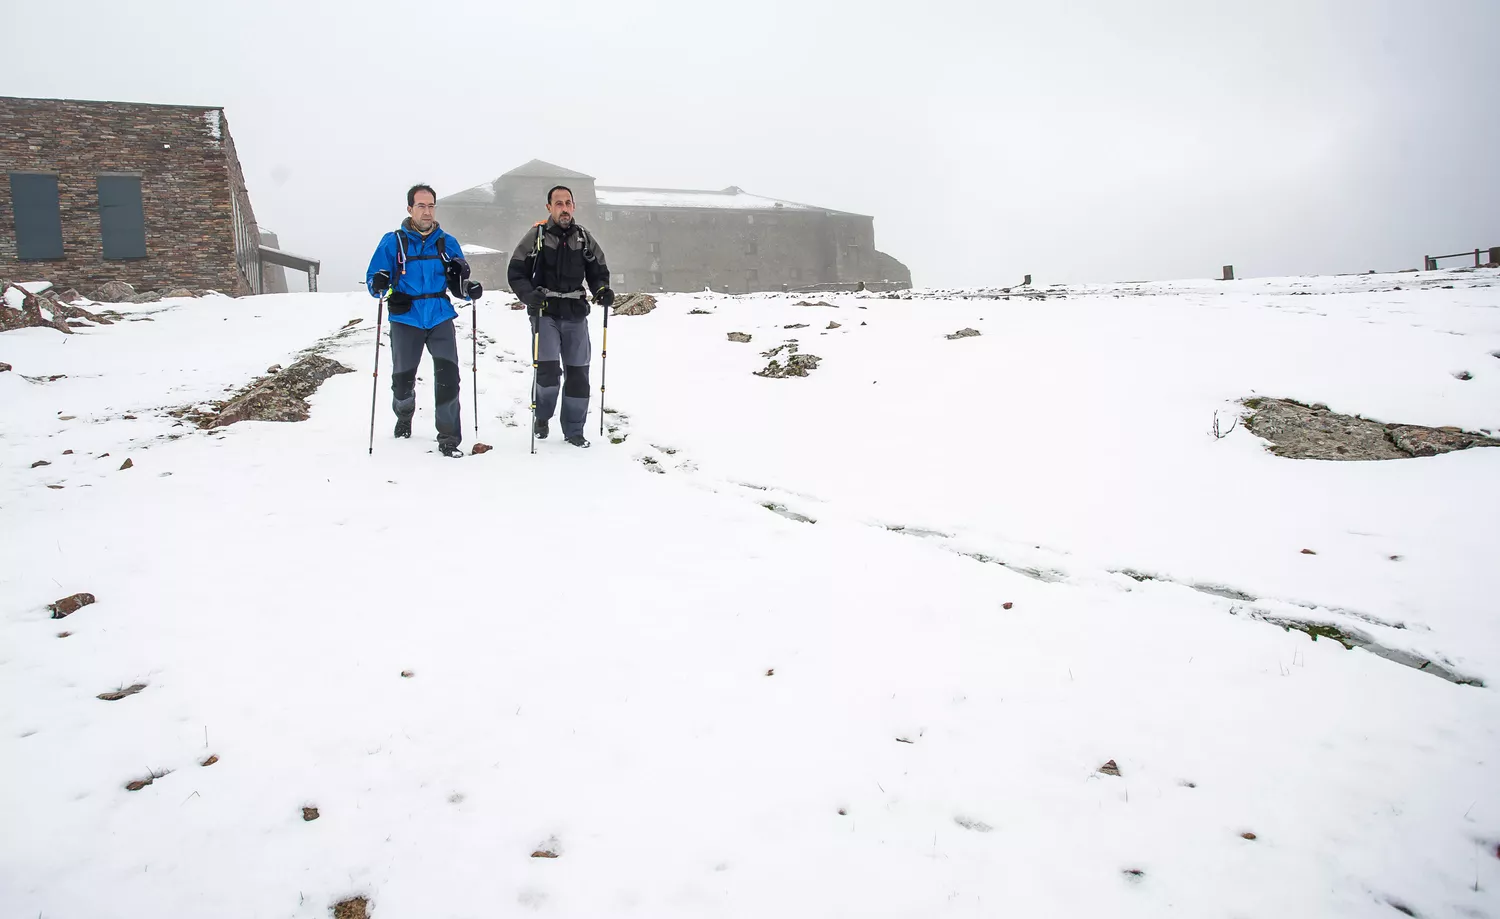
[1076, 140]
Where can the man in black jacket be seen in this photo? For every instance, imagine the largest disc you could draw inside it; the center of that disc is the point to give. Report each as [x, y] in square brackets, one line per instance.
[547, 272]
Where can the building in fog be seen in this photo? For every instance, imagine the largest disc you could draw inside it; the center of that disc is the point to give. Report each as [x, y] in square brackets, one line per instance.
[676, 239]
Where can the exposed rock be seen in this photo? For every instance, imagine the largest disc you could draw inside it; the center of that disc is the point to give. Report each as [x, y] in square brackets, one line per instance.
[819, 303]
[150, 296]
[1110, 768]
[178, 292]
[68, 296]
[309, 813]
[480, 448]
[210, 761]
[630, 305]
[4, 367]
[67, 606]
[274, 368]
[119, 694]
[962, 333]
[796, 325]
[739, 337]
[128, 464]
[1303, 431]
[1007, 605]
[352, 908]
[40, 463]
[834, 325]
[113, 292]
[282, 397]
[352, 323]
[697, 312]
[797, 365]
[30, 315]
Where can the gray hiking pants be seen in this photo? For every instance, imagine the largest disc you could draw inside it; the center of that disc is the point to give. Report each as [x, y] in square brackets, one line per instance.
[407, 342]
[563, 363]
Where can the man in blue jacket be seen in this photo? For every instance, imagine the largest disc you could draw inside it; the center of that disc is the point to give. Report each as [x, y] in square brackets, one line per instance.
[416, 267]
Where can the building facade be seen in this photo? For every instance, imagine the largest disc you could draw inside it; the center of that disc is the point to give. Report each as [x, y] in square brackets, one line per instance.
[659, 239]
[152, 195]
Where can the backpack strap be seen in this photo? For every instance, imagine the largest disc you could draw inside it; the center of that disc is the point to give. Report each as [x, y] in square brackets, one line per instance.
[400, 252]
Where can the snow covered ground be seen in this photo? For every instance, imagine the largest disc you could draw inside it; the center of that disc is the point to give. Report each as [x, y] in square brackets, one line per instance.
[994, 564]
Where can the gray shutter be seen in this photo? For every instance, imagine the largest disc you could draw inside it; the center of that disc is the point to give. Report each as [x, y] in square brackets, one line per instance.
[33, 198]
[122, 221]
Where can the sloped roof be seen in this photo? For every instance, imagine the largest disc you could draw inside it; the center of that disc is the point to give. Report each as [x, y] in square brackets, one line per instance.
[732, 198]
[540, 169]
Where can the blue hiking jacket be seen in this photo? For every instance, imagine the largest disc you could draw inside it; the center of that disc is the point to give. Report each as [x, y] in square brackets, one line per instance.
[424, 278]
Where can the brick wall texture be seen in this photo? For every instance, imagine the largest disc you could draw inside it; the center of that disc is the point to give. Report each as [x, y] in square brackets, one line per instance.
[200, 228]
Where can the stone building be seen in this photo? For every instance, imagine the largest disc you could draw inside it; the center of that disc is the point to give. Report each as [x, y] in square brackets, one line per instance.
[152, 195]
[677, 239]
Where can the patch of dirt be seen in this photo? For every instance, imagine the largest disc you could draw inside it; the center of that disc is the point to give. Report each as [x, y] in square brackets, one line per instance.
[352, 908]
[67, 606]
[633, 305]
[119, 694]
[279, 397]
[962, 333]
[739, 338]
[1300, 431]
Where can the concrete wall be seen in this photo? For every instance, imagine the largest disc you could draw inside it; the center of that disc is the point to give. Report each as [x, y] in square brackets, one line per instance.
[200, 228]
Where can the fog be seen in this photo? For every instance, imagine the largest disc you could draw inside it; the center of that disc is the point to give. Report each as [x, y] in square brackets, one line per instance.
[1093, 140]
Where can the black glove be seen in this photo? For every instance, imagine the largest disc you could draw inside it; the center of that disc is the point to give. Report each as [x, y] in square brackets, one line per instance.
[473, 290]
[535, 302]
[605, 297]
[381, 282]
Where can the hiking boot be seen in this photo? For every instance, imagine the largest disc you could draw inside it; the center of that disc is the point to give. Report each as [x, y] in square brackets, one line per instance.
[577, 440]
[403, 427]
[448, 449]
[541, 429]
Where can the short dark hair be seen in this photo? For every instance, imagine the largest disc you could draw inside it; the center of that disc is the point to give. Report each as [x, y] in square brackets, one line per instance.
[558, 188]
[411, 194]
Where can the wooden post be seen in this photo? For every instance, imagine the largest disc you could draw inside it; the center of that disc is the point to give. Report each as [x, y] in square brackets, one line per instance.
[1429, 263]
[1476, 258]
[1228, 273]
[1495, 255]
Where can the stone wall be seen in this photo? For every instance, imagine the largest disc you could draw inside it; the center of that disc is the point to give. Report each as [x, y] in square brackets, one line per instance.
[683, 248]
[192, 191]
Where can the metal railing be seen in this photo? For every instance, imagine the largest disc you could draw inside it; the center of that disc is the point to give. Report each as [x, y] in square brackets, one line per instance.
[1430, 262]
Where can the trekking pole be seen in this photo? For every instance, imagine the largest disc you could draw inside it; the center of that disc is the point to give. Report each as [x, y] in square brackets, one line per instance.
[474, 365]
[603, 368]
[375, 385]
[536, 335]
